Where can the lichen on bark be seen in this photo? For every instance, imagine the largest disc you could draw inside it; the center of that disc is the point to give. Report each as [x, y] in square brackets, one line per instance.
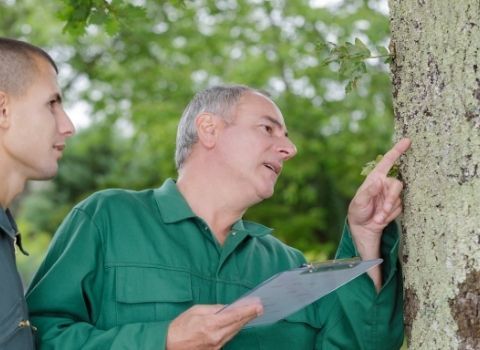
[435, 80]
[411, 308]
[466, 311]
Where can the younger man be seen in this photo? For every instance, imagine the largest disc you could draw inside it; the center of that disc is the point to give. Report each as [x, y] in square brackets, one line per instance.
[33, 130]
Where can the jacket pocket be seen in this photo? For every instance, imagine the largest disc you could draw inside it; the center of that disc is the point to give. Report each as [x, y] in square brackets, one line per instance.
[151, 294]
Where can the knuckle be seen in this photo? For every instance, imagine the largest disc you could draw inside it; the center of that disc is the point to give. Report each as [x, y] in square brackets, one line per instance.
[209, 326]
[217, 342]
[214, 340]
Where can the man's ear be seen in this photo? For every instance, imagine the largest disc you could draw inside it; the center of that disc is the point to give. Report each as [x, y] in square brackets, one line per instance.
[207, 129]
[4, 113]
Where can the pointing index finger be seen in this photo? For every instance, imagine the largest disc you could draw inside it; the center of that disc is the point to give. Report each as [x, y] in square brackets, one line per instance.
[389, 159]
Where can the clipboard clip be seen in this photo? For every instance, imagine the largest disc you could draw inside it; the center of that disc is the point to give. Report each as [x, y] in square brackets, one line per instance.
[340, 264]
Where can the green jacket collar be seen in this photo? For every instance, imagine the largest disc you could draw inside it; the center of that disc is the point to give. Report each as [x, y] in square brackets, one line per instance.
[174, 208]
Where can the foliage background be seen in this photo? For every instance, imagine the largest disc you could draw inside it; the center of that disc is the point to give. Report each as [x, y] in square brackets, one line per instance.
[132, 66]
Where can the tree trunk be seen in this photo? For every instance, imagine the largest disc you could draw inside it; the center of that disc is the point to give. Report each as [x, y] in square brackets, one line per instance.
[436, 90]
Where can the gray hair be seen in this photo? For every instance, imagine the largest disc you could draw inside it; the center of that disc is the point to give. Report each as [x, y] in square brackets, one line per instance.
[18, 66]
[218, 100]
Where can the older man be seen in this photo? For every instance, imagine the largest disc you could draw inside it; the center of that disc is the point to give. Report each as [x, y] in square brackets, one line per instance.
[33, 130]
[151, 269]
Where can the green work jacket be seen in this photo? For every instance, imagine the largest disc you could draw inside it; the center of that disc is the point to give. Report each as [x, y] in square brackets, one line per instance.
[124, 264]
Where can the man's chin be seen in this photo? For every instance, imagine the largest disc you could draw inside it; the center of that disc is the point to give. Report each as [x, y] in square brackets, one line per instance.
[266, 194]
[45, 174]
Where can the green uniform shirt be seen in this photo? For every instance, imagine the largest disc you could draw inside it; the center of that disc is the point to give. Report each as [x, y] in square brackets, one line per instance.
[124, 264]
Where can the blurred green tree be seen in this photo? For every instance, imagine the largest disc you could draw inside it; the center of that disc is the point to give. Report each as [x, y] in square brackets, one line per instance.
[136, 68]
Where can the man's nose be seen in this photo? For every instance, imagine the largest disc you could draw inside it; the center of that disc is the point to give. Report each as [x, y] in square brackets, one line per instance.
[65, 125]
[287, 148]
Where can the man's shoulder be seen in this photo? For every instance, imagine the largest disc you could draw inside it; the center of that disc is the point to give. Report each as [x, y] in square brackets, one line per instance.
[273, 245]
[115, 199]
[282, 246]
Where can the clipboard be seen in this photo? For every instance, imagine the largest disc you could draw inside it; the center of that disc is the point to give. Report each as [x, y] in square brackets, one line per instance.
[291, 290]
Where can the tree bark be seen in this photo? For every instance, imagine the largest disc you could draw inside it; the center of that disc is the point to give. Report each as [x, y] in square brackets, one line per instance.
[436, 90]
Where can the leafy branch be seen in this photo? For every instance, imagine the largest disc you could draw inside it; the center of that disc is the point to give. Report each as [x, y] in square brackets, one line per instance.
[112, 14]
[351, 59]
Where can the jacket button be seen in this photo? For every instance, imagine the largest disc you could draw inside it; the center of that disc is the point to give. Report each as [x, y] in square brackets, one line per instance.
[24, 324]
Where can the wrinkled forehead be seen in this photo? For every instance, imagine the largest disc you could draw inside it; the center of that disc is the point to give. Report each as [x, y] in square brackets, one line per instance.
[256, 105]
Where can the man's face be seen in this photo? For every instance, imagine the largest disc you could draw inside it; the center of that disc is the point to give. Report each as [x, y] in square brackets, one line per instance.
[254, 146]
[38, 126]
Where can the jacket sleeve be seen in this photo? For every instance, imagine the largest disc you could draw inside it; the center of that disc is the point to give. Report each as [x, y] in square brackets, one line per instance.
[65, 296]
[363, 319]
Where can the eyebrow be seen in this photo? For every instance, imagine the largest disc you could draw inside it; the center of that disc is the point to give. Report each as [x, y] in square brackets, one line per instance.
[276, 122]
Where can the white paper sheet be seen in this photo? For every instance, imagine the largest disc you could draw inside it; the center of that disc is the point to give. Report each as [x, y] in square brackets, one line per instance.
[290, 291]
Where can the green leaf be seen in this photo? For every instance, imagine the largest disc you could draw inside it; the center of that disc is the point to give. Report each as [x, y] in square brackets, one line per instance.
[388, 60]
[382, 51]
[97, 17]
[360, 50]
[351, 58]
[351, 85]
[369, 166]
[112, 25]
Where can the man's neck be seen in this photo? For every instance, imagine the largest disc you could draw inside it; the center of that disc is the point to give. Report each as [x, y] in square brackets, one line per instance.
[211, 201]
[11, 185]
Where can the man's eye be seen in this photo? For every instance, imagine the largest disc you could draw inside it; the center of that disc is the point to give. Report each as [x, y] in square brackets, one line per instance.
[268, 128]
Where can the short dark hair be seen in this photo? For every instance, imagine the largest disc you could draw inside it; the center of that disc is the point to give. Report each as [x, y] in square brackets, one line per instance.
[18, 65]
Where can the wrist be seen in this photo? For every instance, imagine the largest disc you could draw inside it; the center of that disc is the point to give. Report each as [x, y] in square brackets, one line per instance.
[367, 243]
